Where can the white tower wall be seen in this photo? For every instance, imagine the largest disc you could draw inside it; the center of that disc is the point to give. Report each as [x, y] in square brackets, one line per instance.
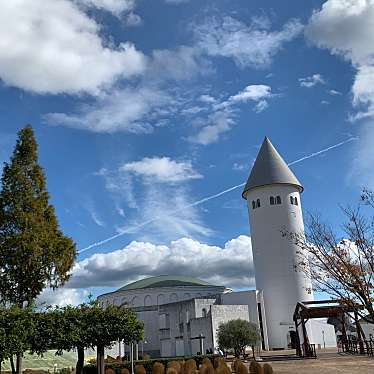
[275, 258]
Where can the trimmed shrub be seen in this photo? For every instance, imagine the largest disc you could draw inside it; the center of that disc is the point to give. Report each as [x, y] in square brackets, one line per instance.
[176, 366]
[255, 368]
[124, 371]
[109, 371]
[241, 368]
[158, 368]
[139, 369]
[217, 361]
[190, 367]
[267, 369]
[206, 369]
[206, 361]
[148, 364]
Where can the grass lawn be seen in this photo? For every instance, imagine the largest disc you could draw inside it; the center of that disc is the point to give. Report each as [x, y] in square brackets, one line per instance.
[68, 359]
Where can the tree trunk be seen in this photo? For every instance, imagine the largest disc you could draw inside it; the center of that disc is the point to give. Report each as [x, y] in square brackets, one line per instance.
[80, 361]
[12, 365]
[100, 360]
[19, 364]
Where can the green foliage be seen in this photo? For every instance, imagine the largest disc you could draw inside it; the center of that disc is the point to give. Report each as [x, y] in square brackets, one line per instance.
[34, 253]
[236, 335]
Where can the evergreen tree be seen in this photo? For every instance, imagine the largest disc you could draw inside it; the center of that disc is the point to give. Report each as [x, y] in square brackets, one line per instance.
[34, 253]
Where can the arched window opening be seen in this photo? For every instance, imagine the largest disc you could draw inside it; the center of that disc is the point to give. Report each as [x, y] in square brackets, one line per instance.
[258, 203]
[253, 205]
[291, 199]
[204, 312]
[271, 200]
[296, 202]
[279, 201]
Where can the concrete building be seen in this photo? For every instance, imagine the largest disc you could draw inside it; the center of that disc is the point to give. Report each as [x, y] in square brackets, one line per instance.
[177, 310]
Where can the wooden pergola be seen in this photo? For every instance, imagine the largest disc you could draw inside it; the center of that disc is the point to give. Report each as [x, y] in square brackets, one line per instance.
[324, 309]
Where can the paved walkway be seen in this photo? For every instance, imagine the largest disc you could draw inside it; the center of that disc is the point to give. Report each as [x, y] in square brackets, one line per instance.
[328, 361]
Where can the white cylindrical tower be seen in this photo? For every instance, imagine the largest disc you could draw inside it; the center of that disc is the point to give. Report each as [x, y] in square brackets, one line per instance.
[273, 198]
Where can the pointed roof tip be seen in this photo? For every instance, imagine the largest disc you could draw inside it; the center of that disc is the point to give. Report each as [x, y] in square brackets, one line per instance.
[270, 168]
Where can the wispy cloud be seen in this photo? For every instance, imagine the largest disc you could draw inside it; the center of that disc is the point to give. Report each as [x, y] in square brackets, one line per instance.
[211, 197]
[312, 81]
[249, 45]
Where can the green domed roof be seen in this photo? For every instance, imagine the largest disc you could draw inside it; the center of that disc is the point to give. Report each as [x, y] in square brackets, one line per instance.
[164, 281]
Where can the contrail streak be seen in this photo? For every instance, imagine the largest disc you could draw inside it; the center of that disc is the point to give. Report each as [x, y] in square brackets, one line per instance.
[205, 199]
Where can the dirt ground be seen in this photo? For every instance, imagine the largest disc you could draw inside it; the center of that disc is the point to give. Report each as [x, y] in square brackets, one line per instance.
[328, 361]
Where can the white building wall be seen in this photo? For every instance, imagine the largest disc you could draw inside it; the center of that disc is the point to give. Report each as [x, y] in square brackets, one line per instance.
[251, 298]
[275, 258]
[368, 329]
[225, 313]
[146, 303]
[321, 334]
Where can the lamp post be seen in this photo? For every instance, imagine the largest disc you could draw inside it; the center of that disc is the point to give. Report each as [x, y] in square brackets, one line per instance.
[323, 338]
[143, 342]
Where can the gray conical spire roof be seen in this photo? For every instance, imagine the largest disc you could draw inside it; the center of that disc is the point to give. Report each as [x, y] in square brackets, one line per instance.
[270, 168]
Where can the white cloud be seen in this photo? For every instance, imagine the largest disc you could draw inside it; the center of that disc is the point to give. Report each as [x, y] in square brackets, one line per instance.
[54, 47]
[251, 45]
[334, 92]
[230, 265]
[312, 81]
[133, 19]
[114, 6]
[261, 106]
[218, 123]
[207, 99]
[221, 118]
[61, 297]
[138, 108]
[346, 28]
[130, 110]
[162, 169]
[176, 1]
[254, 92]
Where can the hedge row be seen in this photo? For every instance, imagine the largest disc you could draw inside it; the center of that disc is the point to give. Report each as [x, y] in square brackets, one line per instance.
[148, 364]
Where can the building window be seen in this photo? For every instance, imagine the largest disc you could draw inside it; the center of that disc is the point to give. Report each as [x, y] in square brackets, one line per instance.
[204, 312]
[258, 204]
[279, 201]
[272, 202]
[253, 205]
[293, 200]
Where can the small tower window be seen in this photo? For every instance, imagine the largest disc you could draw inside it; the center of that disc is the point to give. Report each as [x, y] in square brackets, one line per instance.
[291, 199]
[253, 204]
[272, 200]
[279, 201]
[258, 204]
[296, 202]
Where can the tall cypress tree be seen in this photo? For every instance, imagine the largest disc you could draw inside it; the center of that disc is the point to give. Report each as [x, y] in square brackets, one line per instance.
[34, 253]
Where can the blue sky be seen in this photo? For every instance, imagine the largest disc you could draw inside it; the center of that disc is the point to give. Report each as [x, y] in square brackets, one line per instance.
[141, 107]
